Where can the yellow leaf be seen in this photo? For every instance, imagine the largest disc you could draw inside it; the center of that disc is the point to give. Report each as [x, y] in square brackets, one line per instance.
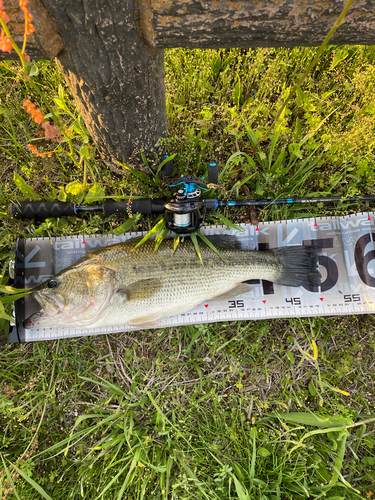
[315, 350]
[340, 391]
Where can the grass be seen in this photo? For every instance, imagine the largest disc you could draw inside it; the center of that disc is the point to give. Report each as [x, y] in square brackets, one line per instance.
[199, 412]
[172, 418]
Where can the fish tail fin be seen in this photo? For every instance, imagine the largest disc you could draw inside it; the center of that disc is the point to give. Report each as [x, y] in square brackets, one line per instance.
[299, 265]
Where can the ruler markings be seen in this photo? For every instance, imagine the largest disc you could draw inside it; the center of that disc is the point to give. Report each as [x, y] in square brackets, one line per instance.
[348, 248]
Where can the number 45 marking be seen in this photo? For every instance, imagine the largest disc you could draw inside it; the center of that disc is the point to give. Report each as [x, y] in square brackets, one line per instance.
[295, 302]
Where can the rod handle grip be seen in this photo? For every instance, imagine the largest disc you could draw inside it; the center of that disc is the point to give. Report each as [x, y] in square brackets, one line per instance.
[40, 209]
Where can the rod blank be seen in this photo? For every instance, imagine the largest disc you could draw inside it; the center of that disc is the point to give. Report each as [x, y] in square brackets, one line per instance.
[283, 201]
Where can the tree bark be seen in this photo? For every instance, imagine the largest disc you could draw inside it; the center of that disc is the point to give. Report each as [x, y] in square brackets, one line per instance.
[253, 23]
[118, 84]
[215, 24]
[45, 42]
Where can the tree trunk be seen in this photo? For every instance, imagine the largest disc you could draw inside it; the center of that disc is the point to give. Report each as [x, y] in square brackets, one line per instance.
[118, 84]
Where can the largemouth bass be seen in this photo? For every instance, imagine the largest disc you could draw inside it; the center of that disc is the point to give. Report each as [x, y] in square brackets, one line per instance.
[121, 286]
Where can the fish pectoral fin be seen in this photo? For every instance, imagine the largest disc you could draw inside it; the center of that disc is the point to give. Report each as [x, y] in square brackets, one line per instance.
[239, 289]
[146, 321]
[142, 289]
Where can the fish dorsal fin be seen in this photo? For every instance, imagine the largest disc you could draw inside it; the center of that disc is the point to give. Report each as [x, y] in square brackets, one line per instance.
[225, 241]
[142, 289]
[146, 321]
[239, 289]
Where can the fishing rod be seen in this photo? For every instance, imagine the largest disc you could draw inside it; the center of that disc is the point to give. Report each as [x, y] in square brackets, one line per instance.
[184, 213]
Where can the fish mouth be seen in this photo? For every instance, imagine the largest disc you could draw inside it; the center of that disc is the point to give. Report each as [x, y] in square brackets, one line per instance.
[41, 319]
[55, 315]
[51, 306]
[32, 321]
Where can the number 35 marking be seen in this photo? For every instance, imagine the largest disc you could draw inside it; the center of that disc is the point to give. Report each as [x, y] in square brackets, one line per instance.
[235, 303]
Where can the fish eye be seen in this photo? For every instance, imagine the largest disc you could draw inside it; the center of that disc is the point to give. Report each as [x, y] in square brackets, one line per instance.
[53, 283]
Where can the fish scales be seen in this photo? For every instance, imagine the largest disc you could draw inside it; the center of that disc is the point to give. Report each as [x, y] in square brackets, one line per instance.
[182, 275]
[121, 284]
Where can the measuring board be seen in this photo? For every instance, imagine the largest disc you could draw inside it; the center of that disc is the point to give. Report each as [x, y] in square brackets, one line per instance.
[347, 266]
